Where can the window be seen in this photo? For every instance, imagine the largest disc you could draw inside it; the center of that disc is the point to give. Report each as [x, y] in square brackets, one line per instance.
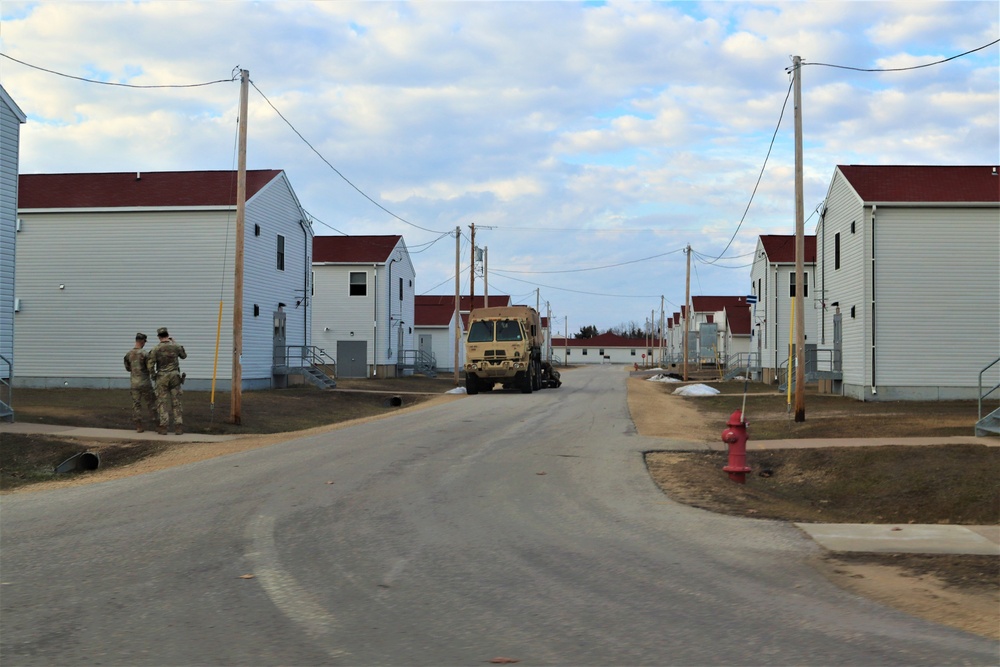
[601, 352]
[359, 283]
[312, 283]
[508, 330]
[805, 284]
[633, 353]
[400, 289]
[836, 251]
[481, 332]
[281, 252]
[584, 351]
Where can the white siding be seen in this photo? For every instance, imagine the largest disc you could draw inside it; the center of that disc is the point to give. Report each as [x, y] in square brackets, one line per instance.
[845, 286]
[129, 271]
[10, 128]
[937, 274]
[276, 211]
[338, 316]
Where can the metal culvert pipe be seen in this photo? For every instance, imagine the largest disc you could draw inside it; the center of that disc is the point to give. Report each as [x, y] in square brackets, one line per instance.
[80, 461]
[394, 402]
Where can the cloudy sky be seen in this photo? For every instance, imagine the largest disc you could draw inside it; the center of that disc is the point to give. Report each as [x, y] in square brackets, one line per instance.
[589, 142]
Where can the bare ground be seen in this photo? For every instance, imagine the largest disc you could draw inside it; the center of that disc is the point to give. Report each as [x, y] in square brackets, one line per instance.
[959, 591]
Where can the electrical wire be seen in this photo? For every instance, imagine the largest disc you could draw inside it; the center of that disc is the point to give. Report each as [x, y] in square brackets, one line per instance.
[112, 83]
[337, 171]
[595, 268]
[896, 69]
[565, 289]
[759, 176]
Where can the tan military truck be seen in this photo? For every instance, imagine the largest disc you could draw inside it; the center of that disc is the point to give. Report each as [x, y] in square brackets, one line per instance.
[504, 345]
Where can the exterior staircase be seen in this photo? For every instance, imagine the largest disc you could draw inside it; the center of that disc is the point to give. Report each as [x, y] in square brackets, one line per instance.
[311, 362]
[6, 392]
[417, 361]
[990, 424]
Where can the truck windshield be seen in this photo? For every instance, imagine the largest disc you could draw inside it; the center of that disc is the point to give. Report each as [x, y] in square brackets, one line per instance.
[481, 332]
[508, 330]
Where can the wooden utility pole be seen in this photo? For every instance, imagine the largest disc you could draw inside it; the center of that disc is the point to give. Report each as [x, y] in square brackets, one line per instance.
[458, 298]
[472, 273]
[486, 277]
[687, 310]
[800, 251]
[236, 393]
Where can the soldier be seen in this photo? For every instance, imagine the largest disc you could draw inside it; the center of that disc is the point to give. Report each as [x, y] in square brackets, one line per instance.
[163, 366]
[141, 386]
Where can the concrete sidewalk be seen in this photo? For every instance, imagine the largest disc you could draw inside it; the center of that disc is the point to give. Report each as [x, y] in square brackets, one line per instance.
[836, 537]
[108, 433]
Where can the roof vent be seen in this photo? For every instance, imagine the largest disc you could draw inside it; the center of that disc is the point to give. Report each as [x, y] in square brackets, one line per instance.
[138, 175]
[994, 171]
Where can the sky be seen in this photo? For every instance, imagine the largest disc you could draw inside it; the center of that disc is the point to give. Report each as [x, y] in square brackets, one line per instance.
[589, 142]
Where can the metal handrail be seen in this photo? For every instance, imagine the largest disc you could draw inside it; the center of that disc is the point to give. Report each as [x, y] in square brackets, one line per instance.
[417, 358]
[6, 388]
[981, 394]
[308, 355]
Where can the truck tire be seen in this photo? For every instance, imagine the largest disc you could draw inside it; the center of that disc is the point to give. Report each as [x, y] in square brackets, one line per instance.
[471, 385]
[527, 382]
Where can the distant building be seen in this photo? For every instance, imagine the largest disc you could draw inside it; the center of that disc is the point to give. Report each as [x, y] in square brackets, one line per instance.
[909, 274]
[605, 348]
[11, 118]
[436, 322]
[102, 256]
[772, 280]
[363, 303]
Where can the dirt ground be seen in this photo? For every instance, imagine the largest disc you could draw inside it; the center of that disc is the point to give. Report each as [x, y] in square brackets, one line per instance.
[959, 591]
[963, 592]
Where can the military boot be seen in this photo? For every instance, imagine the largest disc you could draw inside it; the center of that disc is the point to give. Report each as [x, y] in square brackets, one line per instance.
[162, 430]
[138, 426]
[179, 430]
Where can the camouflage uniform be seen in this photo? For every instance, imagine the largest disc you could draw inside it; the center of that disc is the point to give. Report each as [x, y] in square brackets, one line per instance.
[141, 385]
[163, 365]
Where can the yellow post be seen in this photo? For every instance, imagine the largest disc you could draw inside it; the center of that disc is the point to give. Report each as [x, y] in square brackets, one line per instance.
[791, 357]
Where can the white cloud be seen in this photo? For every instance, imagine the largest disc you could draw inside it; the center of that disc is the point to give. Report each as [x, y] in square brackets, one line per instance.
[597, 120]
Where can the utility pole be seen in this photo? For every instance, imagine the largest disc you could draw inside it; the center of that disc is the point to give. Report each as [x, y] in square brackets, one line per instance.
[662, 330]
[800, 251]
[687, 310]
[486, 279]
[458, 299]
[472, 273]
[236, 393]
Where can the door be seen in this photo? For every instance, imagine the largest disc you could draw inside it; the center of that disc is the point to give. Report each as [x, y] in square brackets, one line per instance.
[279, 357]
[352, 358]
[424, 345]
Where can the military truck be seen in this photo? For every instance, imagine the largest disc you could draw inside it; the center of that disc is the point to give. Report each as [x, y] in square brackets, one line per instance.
[504, 346]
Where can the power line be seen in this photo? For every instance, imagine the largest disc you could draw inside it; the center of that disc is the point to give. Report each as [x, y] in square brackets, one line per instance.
[122, 85]
[595, 268]
[898, 69]
[759, 176]
[337, 171]
[565, 289]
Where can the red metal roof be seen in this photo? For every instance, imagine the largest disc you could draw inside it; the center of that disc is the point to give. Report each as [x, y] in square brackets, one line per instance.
[712, 304]
[738, 320]
[912, 183]
[780, 248]
[137, 189]
[353, 249]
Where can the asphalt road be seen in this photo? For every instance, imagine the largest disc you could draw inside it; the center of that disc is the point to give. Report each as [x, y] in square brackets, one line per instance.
[499, 525]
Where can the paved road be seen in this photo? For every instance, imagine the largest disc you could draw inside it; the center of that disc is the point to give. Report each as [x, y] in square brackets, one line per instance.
[439, 542]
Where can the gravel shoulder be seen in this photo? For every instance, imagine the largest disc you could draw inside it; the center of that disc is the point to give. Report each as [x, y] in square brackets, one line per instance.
[931, 588]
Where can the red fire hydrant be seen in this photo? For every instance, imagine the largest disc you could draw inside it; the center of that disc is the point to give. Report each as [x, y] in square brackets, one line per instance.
[736, 436]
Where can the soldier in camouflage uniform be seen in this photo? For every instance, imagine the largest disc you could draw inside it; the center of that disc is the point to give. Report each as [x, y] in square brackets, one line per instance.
[163, 366]
[141, 386]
